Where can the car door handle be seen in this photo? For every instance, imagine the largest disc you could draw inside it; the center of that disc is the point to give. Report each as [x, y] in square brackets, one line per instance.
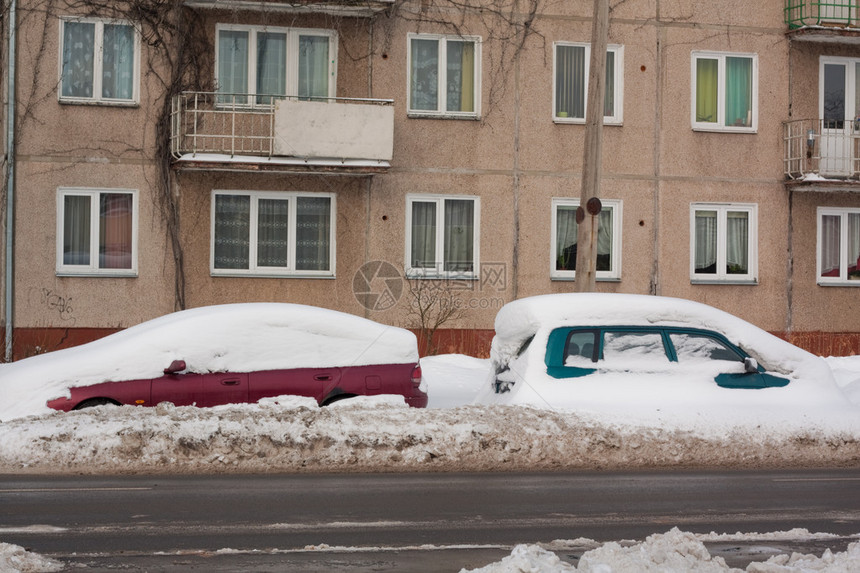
[230, 382]
[323, 377]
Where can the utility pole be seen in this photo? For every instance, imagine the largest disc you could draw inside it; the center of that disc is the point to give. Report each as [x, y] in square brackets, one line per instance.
[587, 214]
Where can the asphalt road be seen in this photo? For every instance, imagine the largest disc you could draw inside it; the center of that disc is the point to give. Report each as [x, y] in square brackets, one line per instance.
[405, 522]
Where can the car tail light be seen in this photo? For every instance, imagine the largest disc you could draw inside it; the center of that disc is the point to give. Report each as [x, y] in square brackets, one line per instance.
[416, 375]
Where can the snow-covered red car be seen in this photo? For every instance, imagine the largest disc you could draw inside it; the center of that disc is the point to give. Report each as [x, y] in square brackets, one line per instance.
[225, 354]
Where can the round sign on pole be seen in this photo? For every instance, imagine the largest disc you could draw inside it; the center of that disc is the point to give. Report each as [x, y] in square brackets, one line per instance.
[594, 206]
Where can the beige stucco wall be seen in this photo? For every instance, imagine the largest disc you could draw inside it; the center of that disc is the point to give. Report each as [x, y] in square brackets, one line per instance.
[515, 159]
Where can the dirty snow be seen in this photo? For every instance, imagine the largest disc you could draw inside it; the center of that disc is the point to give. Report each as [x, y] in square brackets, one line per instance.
[292, 434]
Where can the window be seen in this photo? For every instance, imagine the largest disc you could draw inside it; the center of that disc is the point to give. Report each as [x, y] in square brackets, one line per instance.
[725, 92]
[723, 245]
[444, 76]
[638, 350]
[571, 83]
[564, 230]
[97, 232]
[838, 246]
[442, 235]
[99, 61]
[272, 233]
[701, 348]
[255, 64]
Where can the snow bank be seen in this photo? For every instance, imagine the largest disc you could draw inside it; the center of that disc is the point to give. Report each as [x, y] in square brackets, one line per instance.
[14, 558]
[672, 552]
[291, 434]
[234, 337]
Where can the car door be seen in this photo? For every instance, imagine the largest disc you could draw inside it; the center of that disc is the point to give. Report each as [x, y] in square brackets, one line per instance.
[315, 383]
[224, 388]
[181, 389]
[704, 350]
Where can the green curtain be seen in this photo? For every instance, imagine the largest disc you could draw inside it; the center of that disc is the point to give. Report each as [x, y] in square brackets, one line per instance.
[706, 90]
[738, 91]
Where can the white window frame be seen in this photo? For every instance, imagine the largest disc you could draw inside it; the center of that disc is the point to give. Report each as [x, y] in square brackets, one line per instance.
[618, 96]
[98, 57]
[614, 273]
[842, 279]
[93, 269]
[721, 92]
[721, 276]
[438, 269]
[441, 109]
[292, 70]
[290, 270]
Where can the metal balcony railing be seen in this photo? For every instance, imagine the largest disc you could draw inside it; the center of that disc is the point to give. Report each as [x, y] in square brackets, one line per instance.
[816, 149]
[828, 13]
[232, 125]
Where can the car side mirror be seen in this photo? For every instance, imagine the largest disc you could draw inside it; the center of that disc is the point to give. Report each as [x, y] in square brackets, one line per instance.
[175, 366]
[750, 365]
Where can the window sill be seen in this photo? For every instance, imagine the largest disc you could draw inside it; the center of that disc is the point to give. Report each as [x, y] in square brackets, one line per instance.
[597, 279]
[581, 121]
[248, 275]
[703, 129]
[100, 103]
[98, 274]
[748, 282]
[849, 284]
[429, 115]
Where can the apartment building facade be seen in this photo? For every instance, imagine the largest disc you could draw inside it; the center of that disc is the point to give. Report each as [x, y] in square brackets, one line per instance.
[377, 156]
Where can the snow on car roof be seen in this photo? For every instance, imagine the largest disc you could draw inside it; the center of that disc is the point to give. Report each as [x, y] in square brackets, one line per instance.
[234, 337]
[519, 320]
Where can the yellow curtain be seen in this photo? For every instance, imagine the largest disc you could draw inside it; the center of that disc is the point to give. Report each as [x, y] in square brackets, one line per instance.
[706, 90]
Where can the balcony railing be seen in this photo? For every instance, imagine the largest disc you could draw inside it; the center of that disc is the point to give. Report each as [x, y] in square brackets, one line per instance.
[825, 13]
[822, 149]
[346, 8]
[229, 128]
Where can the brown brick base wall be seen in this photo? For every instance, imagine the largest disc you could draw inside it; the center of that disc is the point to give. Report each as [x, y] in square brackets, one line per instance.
[472, 342]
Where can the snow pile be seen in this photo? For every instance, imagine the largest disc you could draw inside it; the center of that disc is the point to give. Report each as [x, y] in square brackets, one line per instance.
[14, 558]
[672, 552]
[291, 434]
[233, 337]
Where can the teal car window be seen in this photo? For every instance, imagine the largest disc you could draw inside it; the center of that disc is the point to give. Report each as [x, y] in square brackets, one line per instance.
[579, 350]
[699, 347]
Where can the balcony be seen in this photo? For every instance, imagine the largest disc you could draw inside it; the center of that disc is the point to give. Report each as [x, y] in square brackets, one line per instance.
[831, 21]
[822, 155]
[345, 8]
[241, 132]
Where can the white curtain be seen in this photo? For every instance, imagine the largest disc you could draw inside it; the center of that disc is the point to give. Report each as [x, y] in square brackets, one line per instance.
[566, 237]
[232, 65]
[830, 245]
[78, 59]
[271, 66]
[424, 75]
[737, 242]
[706, 242]
[423, 253]
[570, 81]
[232, 231]
[76, 230]
[854, 245]
[313, 233]
[459, 235]
[273, 236]
[118, 62]
[313, 66]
